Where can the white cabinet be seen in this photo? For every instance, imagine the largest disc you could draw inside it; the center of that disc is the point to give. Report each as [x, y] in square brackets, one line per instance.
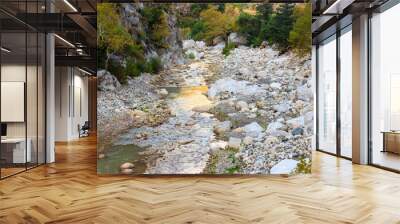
[19, 155]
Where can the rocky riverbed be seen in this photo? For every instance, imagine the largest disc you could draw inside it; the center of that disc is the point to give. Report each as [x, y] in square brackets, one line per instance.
[249, 113]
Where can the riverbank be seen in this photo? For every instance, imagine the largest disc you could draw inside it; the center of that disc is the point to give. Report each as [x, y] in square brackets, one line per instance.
[248, 113]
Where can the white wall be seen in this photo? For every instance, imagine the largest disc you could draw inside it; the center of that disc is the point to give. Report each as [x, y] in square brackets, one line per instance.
[71, 94]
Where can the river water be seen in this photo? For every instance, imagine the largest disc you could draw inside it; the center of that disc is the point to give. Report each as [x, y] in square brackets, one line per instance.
[181, 101]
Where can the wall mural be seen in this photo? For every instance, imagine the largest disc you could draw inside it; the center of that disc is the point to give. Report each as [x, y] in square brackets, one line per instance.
[190, 88]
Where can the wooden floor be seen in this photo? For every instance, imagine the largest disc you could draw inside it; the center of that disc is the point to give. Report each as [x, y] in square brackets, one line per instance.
[69, 191]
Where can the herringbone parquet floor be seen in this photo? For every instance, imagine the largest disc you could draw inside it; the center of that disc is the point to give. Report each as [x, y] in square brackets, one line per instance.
[69, 191]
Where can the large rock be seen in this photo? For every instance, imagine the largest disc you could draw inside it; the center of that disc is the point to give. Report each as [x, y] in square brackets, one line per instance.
[286, 166]
[163, 92]
[247, 140]
[127, 165]
[237, 39]
[298, 131]
[188, 44]
[106, 81]
[305, 93]
[276, 85]
[283, 107]
[242, 106]
[235, 87]
[215, 146]
[223, 127]
[296, 122]
[217, 40]
[234, 142]
[271, 140]
[200, 44]
[253, 129]
[274, 126]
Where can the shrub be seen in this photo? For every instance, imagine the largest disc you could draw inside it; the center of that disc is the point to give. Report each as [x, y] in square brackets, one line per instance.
[153, 65]
[198, 30]
[227, 49]
[132, 69]
[197, 8]
[191, 56]
[134, 50]
[157, 24]
[116, 69]
[160, 31]
[112, 35]
[300, 36]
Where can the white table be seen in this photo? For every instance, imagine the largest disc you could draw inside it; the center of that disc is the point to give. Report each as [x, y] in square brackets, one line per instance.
[19, 154]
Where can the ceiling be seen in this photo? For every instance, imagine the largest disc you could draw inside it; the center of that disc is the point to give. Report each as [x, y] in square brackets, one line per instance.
[73, 21]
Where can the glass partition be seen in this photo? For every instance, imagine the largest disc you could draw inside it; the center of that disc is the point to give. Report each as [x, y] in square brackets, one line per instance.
[14, 145]
[385, 89]
[346, 92]
[22, 78]
[327, 95]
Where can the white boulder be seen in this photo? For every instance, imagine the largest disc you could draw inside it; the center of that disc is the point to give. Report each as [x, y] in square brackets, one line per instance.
[296, 122]
[236, 39]
[223, 127]
[286, 166]
[234, 142]
[274, 126]
[187, 44]
[235, 87]
[253, 129]
[215, 146]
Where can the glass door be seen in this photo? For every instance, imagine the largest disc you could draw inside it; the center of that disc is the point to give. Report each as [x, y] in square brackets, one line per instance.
[346, 92]
[385, 89]
[327, 95]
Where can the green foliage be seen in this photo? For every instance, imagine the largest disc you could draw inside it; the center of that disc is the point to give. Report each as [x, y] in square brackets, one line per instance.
[197, 8]
[249, 26]
[191, 56]
[214, 22]
[157, 23]
[264, 11]
[117, 70]
[304, 166]
[300, 36]
[111, 34]
[235, 168]
[281, 25]
[227, 49]
[153, 65]
[132, 69]
[135, 51]
[198, 31]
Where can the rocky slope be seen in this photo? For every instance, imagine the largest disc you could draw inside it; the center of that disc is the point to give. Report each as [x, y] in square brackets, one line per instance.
[136, 25]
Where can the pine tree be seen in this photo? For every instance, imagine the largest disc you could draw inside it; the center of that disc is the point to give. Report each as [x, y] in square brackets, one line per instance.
[264, 11]
[281, 25]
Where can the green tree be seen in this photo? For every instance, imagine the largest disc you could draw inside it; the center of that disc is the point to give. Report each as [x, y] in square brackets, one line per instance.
[300, 36]
[157, 24]
[281, 25]
[249, 26]
[111, 34]
[264, 11]
[216, 23]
